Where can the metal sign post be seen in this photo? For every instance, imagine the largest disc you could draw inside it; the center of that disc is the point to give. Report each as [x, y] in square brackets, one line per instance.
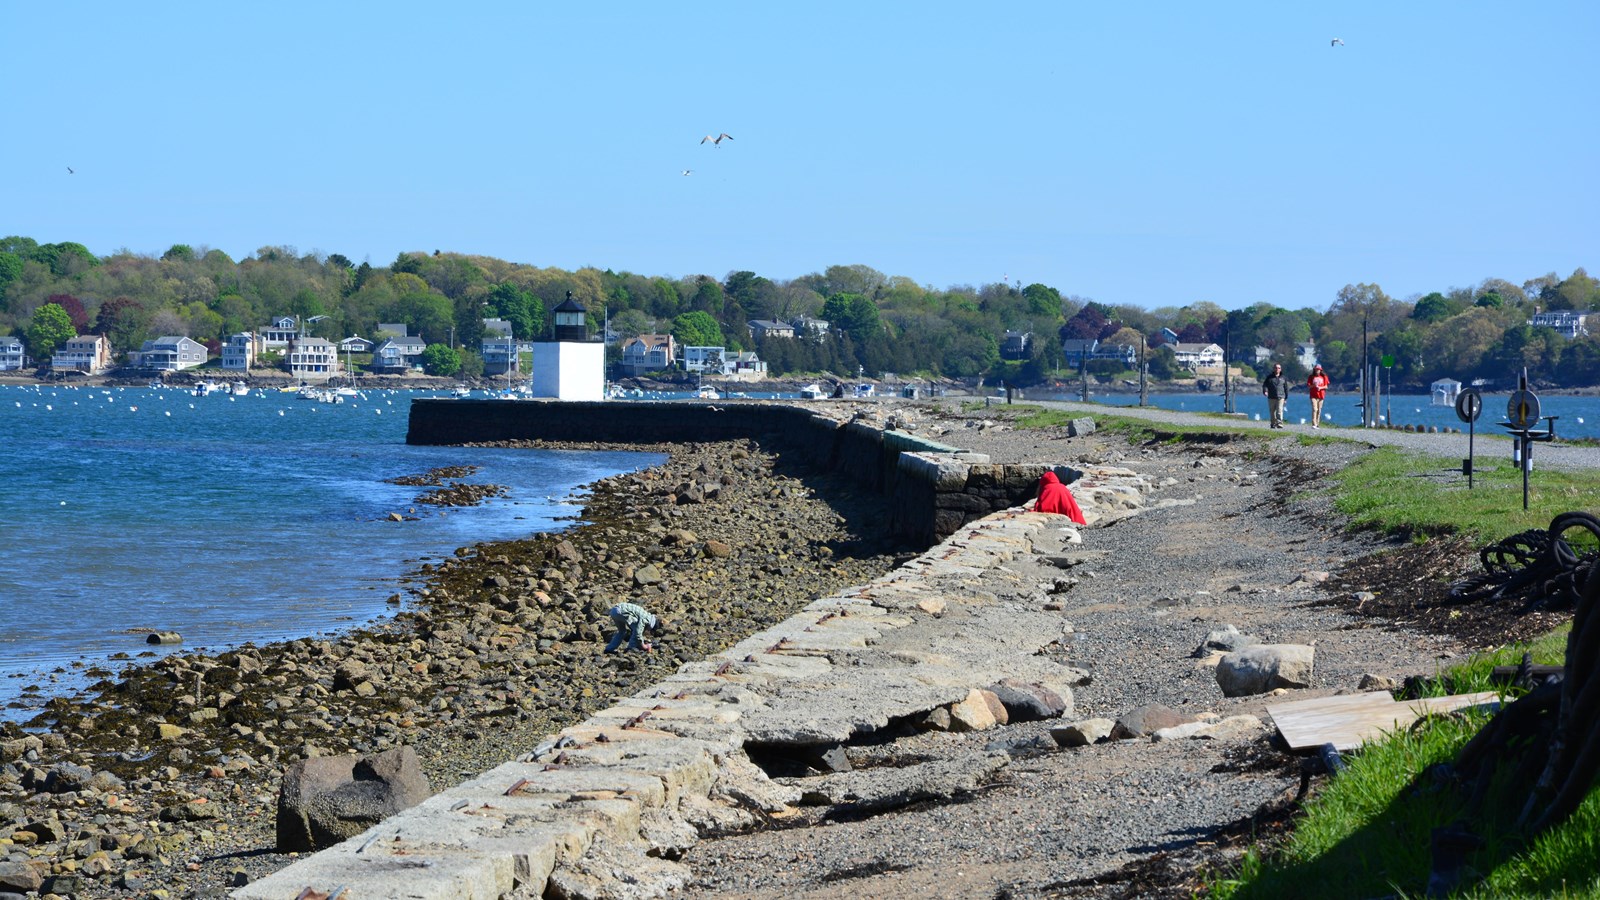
[1469, 403]
[1522, 413]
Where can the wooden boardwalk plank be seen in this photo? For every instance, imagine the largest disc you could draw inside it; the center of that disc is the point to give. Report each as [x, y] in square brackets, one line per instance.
[1350, 720]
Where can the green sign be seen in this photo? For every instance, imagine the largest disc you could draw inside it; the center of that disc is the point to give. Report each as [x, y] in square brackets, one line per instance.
[1388, 361]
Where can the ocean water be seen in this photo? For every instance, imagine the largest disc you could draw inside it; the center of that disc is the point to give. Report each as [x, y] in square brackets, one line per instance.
[1579, 416]
[229, 519]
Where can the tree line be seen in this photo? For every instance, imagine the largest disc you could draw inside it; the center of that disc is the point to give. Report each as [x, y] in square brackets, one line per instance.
[877, 323]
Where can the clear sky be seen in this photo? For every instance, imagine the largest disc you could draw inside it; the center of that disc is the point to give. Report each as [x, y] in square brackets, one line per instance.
[1154, 154]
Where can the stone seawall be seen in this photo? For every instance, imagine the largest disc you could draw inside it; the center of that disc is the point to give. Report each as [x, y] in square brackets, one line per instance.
[934, 488]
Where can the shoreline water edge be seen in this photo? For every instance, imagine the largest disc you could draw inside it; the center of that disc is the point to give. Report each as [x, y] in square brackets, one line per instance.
[161, 780]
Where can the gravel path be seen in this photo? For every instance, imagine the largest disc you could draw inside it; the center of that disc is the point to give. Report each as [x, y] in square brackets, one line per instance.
[1491, 443]
[1059, 821]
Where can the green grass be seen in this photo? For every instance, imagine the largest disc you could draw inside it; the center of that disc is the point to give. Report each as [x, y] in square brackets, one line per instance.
[1406, 493]
[1365, 835]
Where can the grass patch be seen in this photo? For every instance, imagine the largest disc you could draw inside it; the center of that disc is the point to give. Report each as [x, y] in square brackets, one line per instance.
[1397, 492]
[1366, 833]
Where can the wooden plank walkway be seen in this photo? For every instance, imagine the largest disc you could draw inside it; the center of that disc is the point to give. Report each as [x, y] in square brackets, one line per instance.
[1350, 720]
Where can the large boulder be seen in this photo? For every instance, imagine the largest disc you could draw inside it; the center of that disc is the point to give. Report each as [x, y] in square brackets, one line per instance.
[1265, 667]
[328, 799]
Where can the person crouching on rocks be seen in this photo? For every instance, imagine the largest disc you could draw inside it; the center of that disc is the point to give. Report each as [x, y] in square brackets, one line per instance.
[632, 621]
[1055, 498]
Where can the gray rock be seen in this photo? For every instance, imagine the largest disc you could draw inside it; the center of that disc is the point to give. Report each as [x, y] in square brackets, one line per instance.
[1258, 669]
[1028, 702]
[64, 777]
[1079, 734]
[324, 800]
[164, 637]
[19, 878]
[1144, 721]
[1226, 639]
[889, 788]
[1080, 427]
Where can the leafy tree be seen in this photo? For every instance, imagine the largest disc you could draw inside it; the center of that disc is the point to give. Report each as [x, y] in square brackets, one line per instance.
[441, 359]
[1434, 308]
[853, 314]
[10, 270]
[1042, 300]
[1490, 300]
[697, 329]
[50, 329]
[179, 253]
[1086, 324]
[520, 307]
[1163, 363]
[18, 245]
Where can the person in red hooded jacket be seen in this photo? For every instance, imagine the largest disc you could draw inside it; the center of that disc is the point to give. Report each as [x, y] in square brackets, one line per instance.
[1055, 498]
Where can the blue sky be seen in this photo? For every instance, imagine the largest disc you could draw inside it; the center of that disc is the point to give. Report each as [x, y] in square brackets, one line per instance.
[1155, 154]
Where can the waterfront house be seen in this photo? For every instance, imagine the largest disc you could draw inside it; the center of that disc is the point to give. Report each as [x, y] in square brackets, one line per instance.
[172, 353]
[313, 359]
[1016, 345]
[499, 349]
[647, 353]
[13, 355]
[761, 329]
[1568, 323]
[746, 366]
[397, 355]
[1197, 356]
[1445, 392]
[704, 360]
[1076, 351]
[355, 344]
[278, 334]
[239, 351]
[88, 353]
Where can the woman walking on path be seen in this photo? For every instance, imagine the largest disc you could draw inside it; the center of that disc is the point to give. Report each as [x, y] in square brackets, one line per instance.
[1276, 387]
[1318, 385]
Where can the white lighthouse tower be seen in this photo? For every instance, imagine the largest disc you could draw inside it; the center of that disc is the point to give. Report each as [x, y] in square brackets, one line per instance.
[573, 366]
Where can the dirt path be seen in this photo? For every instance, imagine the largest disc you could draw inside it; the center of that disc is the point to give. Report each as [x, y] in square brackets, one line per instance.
[1128, 818]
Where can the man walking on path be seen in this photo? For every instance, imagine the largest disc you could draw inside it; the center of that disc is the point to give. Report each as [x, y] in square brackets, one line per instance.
[1318, 385]
[632, 621]
[1276, 387]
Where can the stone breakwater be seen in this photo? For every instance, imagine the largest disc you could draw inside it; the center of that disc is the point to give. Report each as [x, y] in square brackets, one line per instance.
[161, 780]
[603, 807]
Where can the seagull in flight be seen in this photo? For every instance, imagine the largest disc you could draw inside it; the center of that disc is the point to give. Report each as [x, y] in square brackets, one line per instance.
[1336, 43]
[70, 172]
[716, 141]
[688, 171]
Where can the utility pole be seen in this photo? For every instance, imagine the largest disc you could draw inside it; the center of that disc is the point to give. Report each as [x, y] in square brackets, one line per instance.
[1144, 371]
[1366, 378]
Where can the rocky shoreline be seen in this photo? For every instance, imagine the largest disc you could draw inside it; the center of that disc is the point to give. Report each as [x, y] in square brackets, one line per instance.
[161, 781]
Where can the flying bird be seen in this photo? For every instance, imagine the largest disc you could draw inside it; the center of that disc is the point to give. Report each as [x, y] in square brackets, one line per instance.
[1336, 43]
[716, 141]
[688, 171]
[70, 172]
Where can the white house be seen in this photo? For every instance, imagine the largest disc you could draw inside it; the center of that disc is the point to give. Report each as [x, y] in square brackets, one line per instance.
[1306, 353]
[1076, 351]
[1197, 356]
[279, 333]
[647, 353]
[88, 353]
[172, 353]
[704, 360]
[12, 354]
[313, 359]
[398, 354]
[816, 329]
[1570, 324]
[1445, 391]
[239, 352]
